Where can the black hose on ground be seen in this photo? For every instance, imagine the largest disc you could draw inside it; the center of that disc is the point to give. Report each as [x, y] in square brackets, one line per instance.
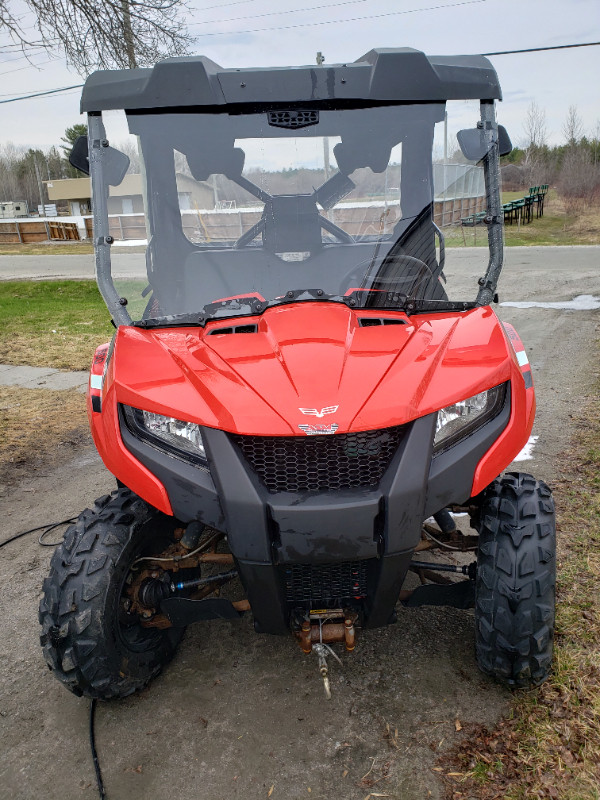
[99, 782]
[45, 530]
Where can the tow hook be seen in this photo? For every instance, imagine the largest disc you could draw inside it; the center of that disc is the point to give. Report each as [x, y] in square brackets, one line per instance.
[322, 628]
[322, 650]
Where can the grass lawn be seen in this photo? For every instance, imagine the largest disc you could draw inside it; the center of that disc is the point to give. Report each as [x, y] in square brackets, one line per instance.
[52, 323]
[46, 248]
[549, 747]
[554, 228]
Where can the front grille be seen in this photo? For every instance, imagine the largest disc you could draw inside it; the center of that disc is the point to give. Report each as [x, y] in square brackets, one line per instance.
[320, 463]
[326, 583]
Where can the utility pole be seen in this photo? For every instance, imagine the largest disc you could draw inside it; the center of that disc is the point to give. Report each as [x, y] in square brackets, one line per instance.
[320, 60]
[40, 187]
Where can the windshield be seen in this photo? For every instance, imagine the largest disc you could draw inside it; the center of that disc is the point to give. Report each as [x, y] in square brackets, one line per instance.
[238, 212]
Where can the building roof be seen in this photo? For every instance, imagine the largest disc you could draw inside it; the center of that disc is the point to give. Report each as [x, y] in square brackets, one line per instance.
[399, 75]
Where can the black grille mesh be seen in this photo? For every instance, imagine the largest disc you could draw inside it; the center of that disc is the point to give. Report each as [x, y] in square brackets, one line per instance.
[325, 583]
[293, 119]
[323, 463]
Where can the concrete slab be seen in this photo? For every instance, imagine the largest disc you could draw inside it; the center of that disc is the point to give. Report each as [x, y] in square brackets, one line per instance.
[19, 376]
[41, 378]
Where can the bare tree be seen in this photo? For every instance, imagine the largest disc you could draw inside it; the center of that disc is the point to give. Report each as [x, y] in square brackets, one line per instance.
[535, 127]
[578, 180]
[112, 33]
[573, 127]
[535, 166]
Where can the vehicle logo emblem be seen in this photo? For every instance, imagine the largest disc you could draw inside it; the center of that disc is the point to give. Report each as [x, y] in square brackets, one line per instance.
[315, 413]
[319, 430]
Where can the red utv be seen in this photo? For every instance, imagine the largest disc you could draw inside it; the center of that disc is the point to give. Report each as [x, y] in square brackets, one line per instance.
[301, 374]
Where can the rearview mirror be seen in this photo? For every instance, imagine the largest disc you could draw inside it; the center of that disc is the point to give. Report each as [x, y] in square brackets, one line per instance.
[217, 160]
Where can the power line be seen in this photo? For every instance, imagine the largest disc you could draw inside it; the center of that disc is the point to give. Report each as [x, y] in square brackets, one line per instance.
[29, 66]
[223, 5]
[277, 13]
[339, 21]
[540, 49]
[42, 94]
[498, 53]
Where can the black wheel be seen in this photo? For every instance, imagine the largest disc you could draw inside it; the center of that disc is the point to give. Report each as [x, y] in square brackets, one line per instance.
[91, 638]
[516, 572]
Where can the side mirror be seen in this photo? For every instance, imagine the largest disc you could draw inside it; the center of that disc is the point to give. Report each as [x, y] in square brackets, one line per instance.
[473, 144]
[116, 165]
[79, 157]
[504, 142]
[116, 162]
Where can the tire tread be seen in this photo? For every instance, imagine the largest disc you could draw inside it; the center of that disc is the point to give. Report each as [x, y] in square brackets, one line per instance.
[76, 640]
[516, 581]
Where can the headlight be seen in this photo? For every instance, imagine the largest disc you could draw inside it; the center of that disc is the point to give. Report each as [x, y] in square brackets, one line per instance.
[460, 419]
[183, 439]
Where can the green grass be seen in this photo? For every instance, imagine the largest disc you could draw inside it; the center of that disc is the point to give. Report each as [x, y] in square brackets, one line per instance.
[554, 228]
[52, 323]
[507, 197]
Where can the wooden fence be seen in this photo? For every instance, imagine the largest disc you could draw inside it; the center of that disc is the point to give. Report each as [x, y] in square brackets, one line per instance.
[37, 231]
[229, 225]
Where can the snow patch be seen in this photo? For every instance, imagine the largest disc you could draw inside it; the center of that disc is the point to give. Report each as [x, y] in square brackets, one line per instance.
[583, 302]
[527, 452]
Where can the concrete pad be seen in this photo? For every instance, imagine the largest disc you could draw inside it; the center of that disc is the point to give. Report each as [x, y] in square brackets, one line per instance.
[41, 378]
[59, 380]
[20, 376]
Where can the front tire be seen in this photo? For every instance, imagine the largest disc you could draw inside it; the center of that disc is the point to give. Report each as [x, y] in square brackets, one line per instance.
[516, 575]
[89, 641]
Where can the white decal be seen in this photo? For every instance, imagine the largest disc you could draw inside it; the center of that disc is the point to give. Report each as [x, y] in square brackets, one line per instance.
[522, 358]
[315, 413]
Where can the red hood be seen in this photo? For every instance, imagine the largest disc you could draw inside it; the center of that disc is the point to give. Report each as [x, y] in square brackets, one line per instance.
[311, 356]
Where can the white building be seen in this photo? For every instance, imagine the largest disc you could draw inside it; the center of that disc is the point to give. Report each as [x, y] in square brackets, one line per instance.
[13, 208]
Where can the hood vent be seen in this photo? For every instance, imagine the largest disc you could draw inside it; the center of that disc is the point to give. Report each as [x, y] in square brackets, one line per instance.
[371, 322]
[236, 329]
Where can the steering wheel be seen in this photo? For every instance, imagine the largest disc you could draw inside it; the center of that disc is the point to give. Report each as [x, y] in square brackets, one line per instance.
[415, 265]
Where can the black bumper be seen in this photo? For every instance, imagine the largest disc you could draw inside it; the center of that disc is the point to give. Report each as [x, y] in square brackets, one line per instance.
[276, 537]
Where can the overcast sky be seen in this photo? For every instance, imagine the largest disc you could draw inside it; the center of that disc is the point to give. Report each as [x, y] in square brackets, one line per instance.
[268, 32]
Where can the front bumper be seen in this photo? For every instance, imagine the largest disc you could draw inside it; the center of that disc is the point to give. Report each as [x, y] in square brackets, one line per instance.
[282, 541]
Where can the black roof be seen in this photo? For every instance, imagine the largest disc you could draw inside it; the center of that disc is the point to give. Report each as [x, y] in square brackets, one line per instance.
[384, 75]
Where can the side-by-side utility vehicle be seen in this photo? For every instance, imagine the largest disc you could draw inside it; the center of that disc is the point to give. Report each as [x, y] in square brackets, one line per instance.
[304, 380]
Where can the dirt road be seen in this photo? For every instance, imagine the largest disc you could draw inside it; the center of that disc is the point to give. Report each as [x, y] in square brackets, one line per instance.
[236, 713]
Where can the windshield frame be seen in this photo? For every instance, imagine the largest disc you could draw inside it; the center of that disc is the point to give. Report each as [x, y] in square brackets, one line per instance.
[117, 305]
